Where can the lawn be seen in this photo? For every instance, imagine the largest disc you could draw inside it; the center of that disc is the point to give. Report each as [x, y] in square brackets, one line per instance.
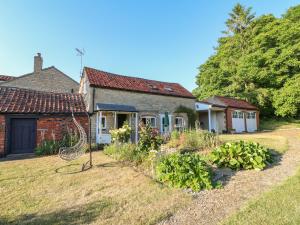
[272, 140]
[47, 190]
[272, 124]
[281, 205]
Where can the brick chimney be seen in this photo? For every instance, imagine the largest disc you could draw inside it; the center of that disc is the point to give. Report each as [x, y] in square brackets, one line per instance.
[38, 63]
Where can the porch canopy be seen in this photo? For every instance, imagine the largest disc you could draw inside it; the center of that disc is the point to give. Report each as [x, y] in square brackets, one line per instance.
[115, 109]
[211, 110]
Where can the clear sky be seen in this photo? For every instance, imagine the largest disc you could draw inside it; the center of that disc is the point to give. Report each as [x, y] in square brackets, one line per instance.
[159, 39]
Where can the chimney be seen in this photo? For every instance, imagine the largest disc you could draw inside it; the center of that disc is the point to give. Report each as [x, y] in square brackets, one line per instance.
[38, 63]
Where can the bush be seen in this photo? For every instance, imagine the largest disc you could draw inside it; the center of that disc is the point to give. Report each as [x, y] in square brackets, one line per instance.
[241, 155]
[51, 147]
[184, 171]
[122, 134]
[149, 139]
[193, 140]
[125, 152]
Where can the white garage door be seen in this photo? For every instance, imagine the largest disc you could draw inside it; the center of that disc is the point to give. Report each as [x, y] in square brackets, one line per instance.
[238, 123]
[251, 122]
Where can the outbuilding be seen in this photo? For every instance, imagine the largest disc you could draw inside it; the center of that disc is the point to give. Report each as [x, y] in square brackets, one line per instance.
[29, 117]
[224, 114]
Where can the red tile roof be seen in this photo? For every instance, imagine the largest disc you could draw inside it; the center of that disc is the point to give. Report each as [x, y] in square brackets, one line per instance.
[229, 102]
[16, 100]
[98, 78]
[6, 78]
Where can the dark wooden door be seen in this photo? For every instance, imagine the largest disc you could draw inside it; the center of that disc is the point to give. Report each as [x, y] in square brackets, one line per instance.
[121, 119]
[23, 136]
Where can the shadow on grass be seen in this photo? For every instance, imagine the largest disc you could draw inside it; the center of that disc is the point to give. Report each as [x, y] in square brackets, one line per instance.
[82, 214]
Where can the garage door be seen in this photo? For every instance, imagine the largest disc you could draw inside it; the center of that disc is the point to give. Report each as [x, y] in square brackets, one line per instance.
[251, 121]
[238, 122]
[23, 136]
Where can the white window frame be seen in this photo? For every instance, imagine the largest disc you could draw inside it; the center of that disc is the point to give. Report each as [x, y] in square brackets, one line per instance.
[182, 122]
[148, 118]
[237, 114]
[103, 127]
[251, 115]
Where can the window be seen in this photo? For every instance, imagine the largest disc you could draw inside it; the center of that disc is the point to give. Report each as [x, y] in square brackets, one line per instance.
[238, 114]
[235, 114]
[168, 89]
[179, 122]
[251, 115]
[103, 125]
[149, 120]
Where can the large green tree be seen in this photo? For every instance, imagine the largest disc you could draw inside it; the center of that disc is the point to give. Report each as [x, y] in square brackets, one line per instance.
[256, 63]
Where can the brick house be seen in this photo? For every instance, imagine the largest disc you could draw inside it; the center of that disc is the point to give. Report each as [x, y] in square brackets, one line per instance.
[224, 114]
[48, 79]
[113, 99]
[27, 117]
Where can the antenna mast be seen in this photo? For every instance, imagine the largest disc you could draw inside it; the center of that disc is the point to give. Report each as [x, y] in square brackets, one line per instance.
[80, 52]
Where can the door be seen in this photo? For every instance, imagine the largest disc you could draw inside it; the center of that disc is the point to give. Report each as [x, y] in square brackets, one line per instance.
[164, 129]
[238, 122]
[251, 121]
[22, 136]
[121, 118]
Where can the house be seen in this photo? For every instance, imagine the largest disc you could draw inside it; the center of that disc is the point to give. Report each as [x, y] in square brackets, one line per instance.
[114, 99]
[48, 79]
[28, 117]
[224, 114]
[4, 78]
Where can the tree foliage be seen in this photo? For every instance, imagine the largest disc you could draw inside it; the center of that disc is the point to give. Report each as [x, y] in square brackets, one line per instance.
[258, 62]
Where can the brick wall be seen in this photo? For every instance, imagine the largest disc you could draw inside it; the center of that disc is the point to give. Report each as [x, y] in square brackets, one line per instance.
[2, 134]
[53, 128]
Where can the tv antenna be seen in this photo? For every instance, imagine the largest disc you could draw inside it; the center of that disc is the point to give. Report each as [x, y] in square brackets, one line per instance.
[80, 52]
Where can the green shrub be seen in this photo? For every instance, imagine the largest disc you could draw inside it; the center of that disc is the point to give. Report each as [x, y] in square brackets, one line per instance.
[192, 140]
[241, 155]
[149, 139]
[51, 147]
[122, 134]
[190, 114]
[184, 171]
[125, 152]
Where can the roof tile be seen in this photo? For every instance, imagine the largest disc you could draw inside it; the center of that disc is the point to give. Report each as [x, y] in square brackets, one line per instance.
[17, 100]
[98, 78]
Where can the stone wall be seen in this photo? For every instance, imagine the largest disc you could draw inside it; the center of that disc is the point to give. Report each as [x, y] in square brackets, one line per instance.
[146, 104]
[49, 80]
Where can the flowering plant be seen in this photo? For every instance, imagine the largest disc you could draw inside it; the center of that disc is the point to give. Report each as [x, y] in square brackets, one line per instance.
[122, 134]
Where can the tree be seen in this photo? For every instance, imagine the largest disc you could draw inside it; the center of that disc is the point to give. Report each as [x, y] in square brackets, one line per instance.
[287, 99]
[240, 18]
[258, 70]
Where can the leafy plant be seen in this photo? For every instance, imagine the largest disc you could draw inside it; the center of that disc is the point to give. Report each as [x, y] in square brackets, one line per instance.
[122, 134]
[192, 140]
[149, 139]
[184, 171]
[51, 147]
[241, 155]
[125, 152]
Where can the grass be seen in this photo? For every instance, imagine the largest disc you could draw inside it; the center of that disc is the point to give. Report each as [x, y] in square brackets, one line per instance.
[273, 124]
[281, 205]
[269, 139]
[47, 190]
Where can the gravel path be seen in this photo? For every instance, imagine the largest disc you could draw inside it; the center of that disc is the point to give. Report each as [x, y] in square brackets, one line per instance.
[211, 207]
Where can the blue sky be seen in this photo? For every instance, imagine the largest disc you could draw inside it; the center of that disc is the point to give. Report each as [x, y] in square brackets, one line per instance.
[163, 40]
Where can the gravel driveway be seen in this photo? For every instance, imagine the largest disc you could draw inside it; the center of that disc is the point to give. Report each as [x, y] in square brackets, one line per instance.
[212, 207]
